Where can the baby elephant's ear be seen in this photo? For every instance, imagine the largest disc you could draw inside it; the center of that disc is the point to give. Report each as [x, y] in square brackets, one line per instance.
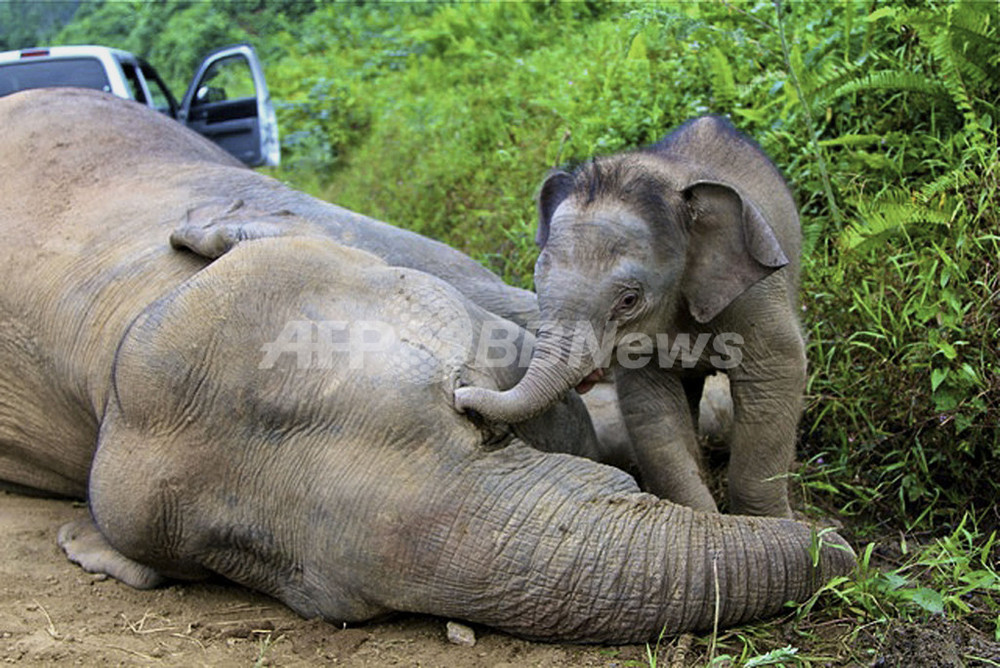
[731, 248]
[557, 187]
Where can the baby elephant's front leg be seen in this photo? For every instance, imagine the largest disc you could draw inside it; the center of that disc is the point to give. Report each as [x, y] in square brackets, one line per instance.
[657, 413]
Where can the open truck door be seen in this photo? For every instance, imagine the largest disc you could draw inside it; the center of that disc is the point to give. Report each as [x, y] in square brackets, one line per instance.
[229, 103]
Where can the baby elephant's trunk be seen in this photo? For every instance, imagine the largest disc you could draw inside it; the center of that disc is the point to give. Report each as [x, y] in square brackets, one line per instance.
[552, 372]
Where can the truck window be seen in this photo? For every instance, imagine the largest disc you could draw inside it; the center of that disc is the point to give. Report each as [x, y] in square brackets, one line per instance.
[227, 79]
[162, 99]
[133, 82]
[80, 72]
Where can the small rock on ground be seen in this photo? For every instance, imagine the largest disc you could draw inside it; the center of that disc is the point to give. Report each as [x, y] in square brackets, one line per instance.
[460, 634]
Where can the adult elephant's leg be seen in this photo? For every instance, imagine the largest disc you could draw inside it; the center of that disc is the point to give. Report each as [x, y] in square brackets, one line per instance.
[656, 411]
[767, 389]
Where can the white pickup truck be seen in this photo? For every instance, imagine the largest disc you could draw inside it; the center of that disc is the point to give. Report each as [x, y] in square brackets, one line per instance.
[227, 100]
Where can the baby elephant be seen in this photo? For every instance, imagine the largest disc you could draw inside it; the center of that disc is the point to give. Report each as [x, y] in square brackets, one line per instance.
[673, 262]
[283, 415]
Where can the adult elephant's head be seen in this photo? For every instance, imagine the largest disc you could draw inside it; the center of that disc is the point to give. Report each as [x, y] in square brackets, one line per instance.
[639, 243]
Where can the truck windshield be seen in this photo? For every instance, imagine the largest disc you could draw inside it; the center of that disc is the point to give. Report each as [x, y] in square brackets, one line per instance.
[80, 72]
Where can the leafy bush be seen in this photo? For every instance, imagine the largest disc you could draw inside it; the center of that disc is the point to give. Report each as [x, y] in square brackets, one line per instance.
[903, 296]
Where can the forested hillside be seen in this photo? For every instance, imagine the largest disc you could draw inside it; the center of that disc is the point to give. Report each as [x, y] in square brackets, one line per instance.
[884, 118]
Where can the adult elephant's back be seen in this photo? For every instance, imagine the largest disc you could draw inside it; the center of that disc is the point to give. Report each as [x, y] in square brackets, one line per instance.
[87, 203]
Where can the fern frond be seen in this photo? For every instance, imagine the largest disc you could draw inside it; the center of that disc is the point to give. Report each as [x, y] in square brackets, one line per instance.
[978, 34]
[955, 85]
[963, 39]
[952, 181]
[852, 140]
[893, 213]
[940, 46]
[821, 86]
[721, 74]
[882, 12]
[893, 80]
[974, 24]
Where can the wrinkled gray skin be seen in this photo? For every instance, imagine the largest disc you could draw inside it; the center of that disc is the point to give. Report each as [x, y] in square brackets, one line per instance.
[345, 490]
[258, 207]
[234, 206]
[695, 235]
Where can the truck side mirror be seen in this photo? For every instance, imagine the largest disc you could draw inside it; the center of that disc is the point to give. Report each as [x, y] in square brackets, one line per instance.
[208, 94]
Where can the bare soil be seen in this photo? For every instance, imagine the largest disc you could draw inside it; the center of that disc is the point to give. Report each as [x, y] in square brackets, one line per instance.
[53, 613]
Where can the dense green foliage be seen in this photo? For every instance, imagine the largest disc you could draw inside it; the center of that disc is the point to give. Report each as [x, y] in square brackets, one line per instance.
[26, 23]
[883, 116]
[446, 120]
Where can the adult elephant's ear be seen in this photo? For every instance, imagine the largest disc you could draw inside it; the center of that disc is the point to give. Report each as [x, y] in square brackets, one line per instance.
[731, 247]
[211, 229]
[557, 187]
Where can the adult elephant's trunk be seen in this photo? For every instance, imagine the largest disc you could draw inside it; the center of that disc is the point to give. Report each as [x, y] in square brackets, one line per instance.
[555, 547]
[560, 360]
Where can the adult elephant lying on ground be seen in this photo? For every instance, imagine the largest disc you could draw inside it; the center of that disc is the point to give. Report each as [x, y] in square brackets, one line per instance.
[335, 473]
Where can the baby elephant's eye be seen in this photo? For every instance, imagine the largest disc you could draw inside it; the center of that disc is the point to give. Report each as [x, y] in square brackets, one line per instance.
[627, 301]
